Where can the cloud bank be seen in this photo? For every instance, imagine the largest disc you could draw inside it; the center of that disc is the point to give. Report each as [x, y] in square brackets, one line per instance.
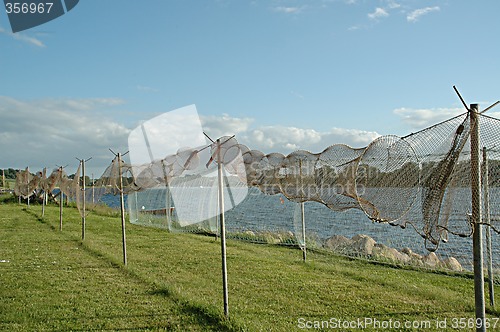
[425, 117]
[50, 132]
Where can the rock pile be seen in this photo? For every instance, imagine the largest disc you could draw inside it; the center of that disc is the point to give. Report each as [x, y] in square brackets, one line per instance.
[363, 245]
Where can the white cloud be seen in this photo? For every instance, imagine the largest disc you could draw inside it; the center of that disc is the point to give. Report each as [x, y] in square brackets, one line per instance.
[43, 133]
[416, 14]
[282, 139]
[24, 38]
[288, 10]
[378, 13]
[49, 132]
[287, 139]
[422, 118]
[217, 126]
[393, 5]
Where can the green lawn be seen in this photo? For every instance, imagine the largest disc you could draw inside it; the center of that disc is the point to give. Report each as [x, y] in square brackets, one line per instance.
[9, 183]
[51, 281]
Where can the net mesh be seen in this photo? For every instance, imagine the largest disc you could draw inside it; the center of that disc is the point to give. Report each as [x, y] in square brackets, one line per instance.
[421, 180]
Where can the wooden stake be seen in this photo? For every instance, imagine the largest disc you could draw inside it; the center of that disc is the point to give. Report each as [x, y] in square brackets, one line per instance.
[167, 196]
[28, 182]
[61, 202]
[83, 199]
[122, 210]
[304, 249]
[487, 221]
[477, 236]
[302, 215]
[44, 195]
[222, 231]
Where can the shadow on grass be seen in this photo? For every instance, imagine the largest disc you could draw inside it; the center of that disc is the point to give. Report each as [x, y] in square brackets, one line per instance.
[204, 316]
[39, 218]
[207, 317]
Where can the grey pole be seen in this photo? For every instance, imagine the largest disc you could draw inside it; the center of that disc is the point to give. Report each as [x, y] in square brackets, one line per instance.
[44, 195]
[222, 231]
[122, 209]
[82, 162]
[61, 201]
[487, 221]
[83, 199]
[477, 239]
[169, 204]
[167, 195]
[302, 215]
[304, 249]
[28, 182]
[43, 203]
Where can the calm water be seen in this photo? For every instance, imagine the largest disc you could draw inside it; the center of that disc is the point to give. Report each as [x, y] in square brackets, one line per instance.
[259, 212]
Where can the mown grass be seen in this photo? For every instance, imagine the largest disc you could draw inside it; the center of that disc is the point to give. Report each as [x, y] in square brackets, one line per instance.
[9, 183]
[52, 281]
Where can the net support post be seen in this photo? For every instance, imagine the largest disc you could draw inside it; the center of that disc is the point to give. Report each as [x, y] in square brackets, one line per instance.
[122, 209]
[222, 230]
[487, 222]
[44, 198]
[302, 215]
[83, 199]
[477, 239]
[61, 202]
[167, 196]
[28, 183]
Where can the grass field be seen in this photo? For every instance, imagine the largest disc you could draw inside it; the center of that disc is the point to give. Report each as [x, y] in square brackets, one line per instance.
[52, 281]
[9, 183]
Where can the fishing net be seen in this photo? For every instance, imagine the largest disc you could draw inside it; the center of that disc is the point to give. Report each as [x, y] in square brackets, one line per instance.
[116, 178]
[24, 186]
[421, 180]
[387, 172]
[181, 192]
[336, 177]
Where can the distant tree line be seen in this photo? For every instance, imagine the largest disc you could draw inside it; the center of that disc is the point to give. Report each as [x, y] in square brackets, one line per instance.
[10, 173]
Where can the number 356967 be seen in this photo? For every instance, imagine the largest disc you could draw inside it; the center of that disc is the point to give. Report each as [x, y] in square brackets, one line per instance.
[31, 8]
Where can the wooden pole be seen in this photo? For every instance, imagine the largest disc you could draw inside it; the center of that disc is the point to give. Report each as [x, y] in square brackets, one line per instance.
[167, 196]
[83, 199]
[28, 182]
[487, 221]
[122, 210]
[44, 195]
[61, 202]
[93, 189]
[169, 207]
[477, 236]
[304, 249]
[302, 215]
[222, 231]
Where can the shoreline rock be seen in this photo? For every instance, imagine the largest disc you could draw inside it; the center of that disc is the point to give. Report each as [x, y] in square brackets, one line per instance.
[364, 245]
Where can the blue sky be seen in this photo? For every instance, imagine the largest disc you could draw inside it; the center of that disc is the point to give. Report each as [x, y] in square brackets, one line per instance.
[281, 75]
